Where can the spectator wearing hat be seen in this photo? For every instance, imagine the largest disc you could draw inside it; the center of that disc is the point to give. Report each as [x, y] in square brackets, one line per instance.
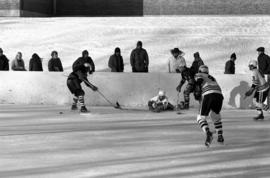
[176, 61]
[263, 61]
[55, 64]
[230, 65]
[139, 59]
[116, 63]
[196, 63]
[35, 63]
[18, 63]
[4, 65]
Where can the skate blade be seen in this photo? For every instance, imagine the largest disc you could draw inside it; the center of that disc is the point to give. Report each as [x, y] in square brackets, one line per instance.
[86, 114]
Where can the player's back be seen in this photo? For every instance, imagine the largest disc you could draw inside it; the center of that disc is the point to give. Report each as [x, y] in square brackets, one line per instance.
[208, 84]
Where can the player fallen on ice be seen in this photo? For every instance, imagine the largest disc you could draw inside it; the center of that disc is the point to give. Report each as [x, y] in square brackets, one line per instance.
[211, 103]
[81, 68]
[261, 89]
[187, 75]
[160, 103]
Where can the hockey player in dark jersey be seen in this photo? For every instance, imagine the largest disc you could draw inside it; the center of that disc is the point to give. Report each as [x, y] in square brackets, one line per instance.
[81, 68]
[187, 75]
[211, 103]
[261, 89]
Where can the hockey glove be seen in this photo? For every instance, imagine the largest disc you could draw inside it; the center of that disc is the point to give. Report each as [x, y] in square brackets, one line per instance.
[179, 87]
[249, 92]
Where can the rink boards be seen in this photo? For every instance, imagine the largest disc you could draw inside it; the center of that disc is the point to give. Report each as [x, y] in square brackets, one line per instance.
[132, 90]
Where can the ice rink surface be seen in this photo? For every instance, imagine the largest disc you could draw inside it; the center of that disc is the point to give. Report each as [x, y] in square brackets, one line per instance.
[51, 141]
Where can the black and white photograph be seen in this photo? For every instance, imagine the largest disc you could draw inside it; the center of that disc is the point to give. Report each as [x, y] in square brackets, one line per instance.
[134, 89]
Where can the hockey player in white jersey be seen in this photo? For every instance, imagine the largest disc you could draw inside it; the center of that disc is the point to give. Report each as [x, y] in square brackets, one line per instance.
[211, 103]
[261, 89]
[160, 103]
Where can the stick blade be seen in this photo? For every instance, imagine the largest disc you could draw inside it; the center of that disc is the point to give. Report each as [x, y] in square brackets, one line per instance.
[117, 106]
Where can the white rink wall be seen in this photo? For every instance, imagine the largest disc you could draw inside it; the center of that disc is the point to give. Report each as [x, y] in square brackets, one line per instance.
[132, 90]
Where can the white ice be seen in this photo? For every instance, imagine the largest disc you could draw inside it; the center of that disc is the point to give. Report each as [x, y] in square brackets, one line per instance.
[40, 141]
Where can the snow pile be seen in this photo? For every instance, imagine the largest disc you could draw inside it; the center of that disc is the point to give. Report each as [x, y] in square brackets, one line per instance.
[215, 37]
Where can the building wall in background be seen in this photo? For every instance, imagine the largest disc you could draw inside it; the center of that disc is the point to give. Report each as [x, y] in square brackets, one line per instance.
[36, 8]
[131, 7]
[9, 7]
[205, 7]
[99, 8]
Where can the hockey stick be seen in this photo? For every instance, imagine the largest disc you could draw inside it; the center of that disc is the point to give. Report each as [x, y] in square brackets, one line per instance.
[116, 106]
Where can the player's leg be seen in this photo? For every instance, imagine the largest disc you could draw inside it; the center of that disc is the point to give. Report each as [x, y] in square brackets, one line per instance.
[170, 107]
[216, 116]
[202, 119]
[82, 103]
[187, 91]
[72, 88]
[151, 105]
[75, 86]
[259, 99]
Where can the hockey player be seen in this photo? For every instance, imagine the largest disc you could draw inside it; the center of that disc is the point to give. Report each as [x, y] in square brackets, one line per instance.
[160, 103]
[261, 89]
[187, 75]
[81, 68]
[211, 103]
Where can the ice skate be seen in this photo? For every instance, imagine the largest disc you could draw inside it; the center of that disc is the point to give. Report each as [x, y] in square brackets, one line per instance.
[74, 107]
[209, 139]
[259, 117]
[186, 106]
[84, 110]
[220, 139]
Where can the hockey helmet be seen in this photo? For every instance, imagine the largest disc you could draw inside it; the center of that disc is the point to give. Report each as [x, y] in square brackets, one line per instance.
[161, 93]
[253, 63]
[204, 69]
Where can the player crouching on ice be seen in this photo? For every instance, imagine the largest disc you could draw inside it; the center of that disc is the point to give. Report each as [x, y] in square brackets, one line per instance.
[261, 88]
[81, 68]
[211, 102]
[160, 103]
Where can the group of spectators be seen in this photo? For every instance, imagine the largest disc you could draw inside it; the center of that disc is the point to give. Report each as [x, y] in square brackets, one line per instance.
[139, 61]
[35, 64]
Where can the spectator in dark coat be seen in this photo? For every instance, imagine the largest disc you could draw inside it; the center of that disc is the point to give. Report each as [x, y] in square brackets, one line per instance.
[18, 63]
[35, 63]
[4, 65]
[55, 64]
[230, 65]
[139, 59]
[79, 63]
[116, 61]
[263, 61]
[196, 63]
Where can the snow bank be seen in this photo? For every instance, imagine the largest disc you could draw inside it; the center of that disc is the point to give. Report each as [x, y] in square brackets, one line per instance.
[215, 37]
[129, 89]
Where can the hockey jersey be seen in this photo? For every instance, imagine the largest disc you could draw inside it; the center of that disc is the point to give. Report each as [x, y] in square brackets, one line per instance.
[258, 81]
[208, 84]
[164, 101]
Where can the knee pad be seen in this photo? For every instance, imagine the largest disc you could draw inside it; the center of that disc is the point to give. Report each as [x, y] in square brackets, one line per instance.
[215, 117]
[79, 92]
